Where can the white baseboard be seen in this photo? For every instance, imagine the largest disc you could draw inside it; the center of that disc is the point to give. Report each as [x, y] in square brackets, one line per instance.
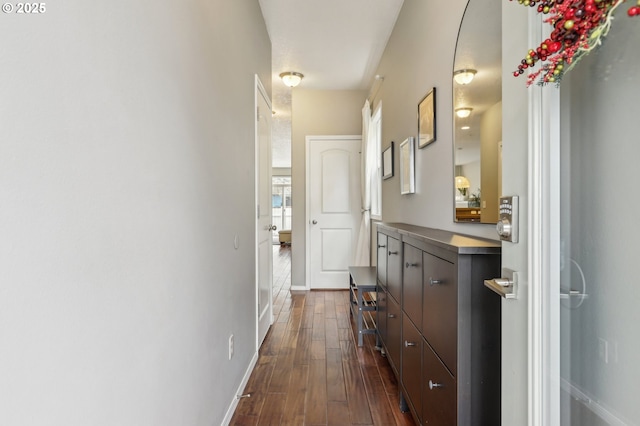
[299, 288]
[592, 404]
[339, 286]
[234, 401]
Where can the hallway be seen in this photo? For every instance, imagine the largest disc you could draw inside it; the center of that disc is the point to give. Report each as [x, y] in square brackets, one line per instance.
[310, 371]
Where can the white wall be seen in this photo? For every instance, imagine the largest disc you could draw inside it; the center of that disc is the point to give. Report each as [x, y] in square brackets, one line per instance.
[315, 112]
[121, 125]
[515, 351]
[472, 172]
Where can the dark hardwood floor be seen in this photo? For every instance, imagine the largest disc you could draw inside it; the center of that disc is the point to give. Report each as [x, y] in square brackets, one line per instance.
[310, 370]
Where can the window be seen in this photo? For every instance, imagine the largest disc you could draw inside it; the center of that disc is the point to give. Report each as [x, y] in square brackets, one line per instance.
[374, 156]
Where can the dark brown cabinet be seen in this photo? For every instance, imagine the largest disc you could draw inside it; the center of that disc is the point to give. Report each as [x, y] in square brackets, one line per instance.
[412, 284]
[382, 256]
[382, 312]
[394, 334]
[394, 268]
[412, 364]
[440, 301]
[442, 331]
[438, 390]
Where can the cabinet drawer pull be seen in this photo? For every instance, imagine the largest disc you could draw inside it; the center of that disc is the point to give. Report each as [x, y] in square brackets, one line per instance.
[435, 282]
[408, 343]
[391, 315]
[379, 246]
[433, 385]
[411, 265]
[393, 252]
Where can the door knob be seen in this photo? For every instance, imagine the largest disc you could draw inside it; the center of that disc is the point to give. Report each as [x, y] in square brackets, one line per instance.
[315, 222]
[272, 228]
[435, 282]
[433, 385]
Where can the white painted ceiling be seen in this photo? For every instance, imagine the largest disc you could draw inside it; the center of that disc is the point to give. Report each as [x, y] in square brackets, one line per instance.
[336, 44]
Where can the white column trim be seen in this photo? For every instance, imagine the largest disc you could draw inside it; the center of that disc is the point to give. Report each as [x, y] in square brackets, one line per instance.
[544, 246]
[536, 214]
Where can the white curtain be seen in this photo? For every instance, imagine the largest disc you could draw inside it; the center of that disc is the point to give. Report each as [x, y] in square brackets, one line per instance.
[363, 257]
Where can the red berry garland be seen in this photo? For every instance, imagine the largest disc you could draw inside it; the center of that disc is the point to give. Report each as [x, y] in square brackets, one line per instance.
[578, 28]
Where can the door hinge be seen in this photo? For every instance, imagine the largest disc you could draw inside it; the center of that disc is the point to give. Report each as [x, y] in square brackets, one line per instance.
[257, 113]
[258, 210]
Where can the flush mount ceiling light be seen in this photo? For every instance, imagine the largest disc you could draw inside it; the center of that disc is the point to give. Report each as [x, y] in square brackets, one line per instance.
[291, 78]
[464, 76]
[465, 127]
[463, 112]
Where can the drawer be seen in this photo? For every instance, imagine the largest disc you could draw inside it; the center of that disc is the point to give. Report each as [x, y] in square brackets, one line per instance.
[394, 333]
[381, 313]
[412, 284]
[439, 403]
[412, 365]
[382, 258]
[440, 309]
[394, 268]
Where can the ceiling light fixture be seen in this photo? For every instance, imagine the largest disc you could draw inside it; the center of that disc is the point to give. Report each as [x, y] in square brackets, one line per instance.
[291, 78]
[465, 127]
[463, 112]
[464, 76]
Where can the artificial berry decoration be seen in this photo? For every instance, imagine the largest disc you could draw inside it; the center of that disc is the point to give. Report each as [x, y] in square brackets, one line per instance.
[578, 28]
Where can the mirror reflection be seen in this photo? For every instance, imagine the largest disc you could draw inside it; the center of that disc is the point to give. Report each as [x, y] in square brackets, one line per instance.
[477, 115]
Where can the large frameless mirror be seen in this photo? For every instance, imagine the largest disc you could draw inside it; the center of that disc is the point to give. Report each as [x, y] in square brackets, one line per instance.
[477, 114]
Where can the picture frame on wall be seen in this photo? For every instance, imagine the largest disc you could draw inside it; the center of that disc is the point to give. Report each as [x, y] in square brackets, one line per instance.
[407, 166]
[427, 119]
[387, 162]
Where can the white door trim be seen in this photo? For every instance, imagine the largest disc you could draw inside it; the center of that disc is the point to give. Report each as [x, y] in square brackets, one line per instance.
[259, 91]
[309, 140]
[544, 247]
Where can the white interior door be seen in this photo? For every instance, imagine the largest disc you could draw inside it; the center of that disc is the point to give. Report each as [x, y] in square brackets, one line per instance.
[333, 208]
[264, 279]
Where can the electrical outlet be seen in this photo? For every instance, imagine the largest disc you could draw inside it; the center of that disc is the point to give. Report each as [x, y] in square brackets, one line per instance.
[230, 347]
[603, 350]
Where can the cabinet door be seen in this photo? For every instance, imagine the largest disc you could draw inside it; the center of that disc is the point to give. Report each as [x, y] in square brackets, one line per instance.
[381, 314]
[412, 284]
[382, 259]
[440, 309]
[394, 334]
[412, 365]
[394, 268]
[439, 405]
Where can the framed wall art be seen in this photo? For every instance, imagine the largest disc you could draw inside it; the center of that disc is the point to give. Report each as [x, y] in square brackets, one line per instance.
[427, 119]
[387, 162]
[407, 168]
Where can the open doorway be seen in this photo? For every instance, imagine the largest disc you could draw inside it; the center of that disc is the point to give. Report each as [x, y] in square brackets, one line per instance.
[281, 237]
[281, 204]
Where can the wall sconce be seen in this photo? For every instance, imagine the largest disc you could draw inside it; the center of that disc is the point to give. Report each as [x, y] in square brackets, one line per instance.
[291, 78]
[464, 76]
[463, 112]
